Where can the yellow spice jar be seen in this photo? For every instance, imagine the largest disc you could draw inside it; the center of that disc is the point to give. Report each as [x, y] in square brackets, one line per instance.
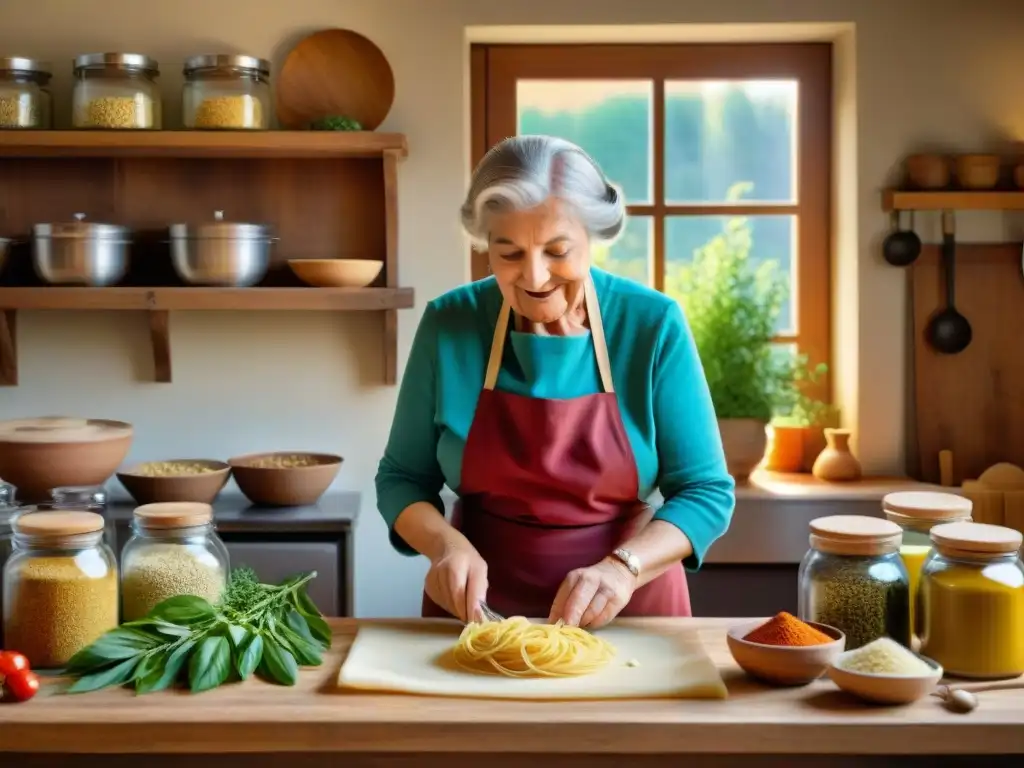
[972, 601]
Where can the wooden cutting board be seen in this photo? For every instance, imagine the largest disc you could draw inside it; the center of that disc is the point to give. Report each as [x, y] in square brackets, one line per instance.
[404, 659]
[971, 403]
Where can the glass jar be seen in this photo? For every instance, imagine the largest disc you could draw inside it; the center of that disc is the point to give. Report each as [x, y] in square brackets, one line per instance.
[852, 578]
[90, 498]
[60, 585]
[116, 91]
[7, 511]
[972, 601]
[223, 92]
[174, 550]
[25, 100]
[916, 512]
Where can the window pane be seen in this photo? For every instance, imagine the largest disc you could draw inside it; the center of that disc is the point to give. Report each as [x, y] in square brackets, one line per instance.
[729, 139]
[610, 119]
[631, 255]
[759, 238]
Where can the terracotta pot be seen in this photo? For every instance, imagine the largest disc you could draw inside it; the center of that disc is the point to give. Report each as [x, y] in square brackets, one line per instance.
[785, 449]
[37, 455]
[837, 464]
[284, 486]
[814, 444]
[744, 442]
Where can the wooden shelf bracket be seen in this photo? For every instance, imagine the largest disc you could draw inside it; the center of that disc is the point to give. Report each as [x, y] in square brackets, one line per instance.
[391, 158]
[8, 348]
[160, 338]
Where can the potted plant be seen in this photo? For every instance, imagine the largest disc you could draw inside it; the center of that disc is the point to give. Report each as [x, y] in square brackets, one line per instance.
[732, 305]
[796, 434]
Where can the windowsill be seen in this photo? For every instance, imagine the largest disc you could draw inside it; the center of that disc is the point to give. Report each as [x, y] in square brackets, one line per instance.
[766, 486]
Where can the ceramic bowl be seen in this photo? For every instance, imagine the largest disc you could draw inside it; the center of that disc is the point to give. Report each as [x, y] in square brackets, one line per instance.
[268, 479]
[784, 664]
[886, 689]
[336, 273]
[195, 487]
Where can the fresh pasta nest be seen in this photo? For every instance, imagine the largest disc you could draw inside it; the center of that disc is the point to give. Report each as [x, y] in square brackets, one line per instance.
[515, 647]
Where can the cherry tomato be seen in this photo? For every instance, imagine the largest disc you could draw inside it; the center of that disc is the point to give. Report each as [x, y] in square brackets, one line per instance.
[11, 662]
[22, 685]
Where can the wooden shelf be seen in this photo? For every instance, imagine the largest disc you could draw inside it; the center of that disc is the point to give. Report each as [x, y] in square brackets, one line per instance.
[895, 200]
[201, 144]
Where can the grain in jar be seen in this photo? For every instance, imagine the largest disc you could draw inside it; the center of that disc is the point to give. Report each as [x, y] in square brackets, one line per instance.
[226, 92]
[174, 550]
[972, 601]
[917, 512]
[60, 586]
[25, 100]
[852, 578]
[116, 91]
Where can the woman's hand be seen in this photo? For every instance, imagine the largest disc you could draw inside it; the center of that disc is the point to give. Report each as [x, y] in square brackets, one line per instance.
[457, 580]
[591, 597]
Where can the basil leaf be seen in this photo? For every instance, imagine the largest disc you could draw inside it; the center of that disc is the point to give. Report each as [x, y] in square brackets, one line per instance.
[249, 657]
[117, 644]
[118, 674]
[305, 651]
[307, 609]
[238, 634]
[210, 665]
[183, 609]
[278, 665]
[150, 663]
[173, 630]
[165, 676]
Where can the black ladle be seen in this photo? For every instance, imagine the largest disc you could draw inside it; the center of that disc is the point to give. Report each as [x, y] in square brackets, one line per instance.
[949, 332]
[902, 246]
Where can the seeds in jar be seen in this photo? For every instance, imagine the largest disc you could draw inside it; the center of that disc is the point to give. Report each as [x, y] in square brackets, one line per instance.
[59, 605]
[19, 111]
[117, 112]
[243, 111]
[161, 571]
[285, 461]
[173, 468]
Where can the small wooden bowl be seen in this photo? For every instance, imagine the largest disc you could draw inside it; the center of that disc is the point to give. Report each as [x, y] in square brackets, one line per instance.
[927, 171]
[977, 171]
[784, 664]
[336, 273]
[192, 487]
[283, 486]
[886, 689]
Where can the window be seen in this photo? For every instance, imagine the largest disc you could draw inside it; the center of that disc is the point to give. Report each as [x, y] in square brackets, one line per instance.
[696, 135]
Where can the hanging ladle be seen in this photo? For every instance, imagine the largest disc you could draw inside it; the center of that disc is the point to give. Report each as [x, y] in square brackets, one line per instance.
[902, 246]
[949, 332]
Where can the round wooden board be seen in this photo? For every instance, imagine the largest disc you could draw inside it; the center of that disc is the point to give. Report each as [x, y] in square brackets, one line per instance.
[335, 72]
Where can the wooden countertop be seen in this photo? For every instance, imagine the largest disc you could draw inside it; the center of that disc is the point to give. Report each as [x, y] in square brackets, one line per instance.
[255, 717]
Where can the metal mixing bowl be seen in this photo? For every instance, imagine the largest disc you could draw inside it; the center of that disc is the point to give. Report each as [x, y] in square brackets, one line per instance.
[221, 253]
[80, 252]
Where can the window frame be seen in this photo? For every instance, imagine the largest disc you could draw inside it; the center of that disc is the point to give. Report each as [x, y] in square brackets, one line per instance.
[496, 68]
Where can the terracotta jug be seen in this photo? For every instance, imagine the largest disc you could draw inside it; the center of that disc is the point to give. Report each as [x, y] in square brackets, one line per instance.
[785, 449]
[836, 464]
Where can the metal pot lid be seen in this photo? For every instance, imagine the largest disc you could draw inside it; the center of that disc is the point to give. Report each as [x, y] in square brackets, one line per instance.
[226, 61]
[81, 228]
[134, 61]
[27, 66]
[218, 229]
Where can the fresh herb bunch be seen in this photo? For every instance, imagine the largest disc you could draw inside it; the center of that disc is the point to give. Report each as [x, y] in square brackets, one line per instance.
[336, 123]
[256, 628]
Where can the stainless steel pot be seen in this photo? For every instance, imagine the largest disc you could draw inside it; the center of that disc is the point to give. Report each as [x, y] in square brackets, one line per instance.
[221, 253]
[80, 252]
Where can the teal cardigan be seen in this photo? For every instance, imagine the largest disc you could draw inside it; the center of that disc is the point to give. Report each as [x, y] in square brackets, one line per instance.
[659, 381]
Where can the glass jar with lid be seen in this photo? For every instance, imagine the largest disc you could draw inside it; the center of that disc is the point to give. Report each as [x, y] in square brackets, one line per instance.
[25, 100]
[174, 550]
[972, 601]
[852, 578]
[226, 92]
[60, 585]
[917, 512]
[116, 91]
[91, 498]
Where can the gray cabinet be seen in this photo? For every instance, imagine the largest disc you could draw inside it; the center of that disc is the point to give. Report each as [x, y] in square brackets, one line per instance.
[276, 561]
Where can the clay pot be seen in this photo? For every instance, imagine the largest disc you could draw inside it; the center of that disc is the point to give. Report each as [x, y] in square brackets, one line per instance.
[785, 449]
[37, 455]
[837, 464]
[744, 442]
[284, 486]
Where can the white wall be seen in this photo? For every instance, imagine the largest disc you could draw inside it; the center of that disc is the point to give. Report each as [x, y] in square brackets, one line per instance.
[926, 71]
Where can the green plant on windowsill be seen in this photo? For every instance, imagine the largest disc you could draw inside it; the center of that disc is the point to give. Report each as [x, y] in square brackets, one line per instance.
[795, 408]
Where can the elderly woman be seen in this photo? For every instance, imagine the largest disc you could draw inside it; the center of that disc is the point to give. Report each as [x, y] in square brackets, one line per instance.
[553, 397]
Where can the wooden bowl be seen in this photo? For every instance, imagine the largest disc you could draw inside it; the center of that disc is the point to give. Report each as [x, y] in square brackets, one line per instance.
[336, 273]
[39, 454]
[978, 171]
[284, 486]
[927, 171]
[199, 487]
[886, 689]
[1018, 176]
[784, 664]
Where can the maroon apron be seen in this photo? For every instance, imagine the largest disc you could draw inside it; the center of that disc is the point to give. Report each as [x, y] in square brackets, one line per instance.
[549, 486]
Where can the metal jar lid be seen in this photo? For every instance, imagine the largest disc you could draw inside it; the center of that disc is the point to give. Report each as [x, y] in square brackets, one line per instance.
[218, 229]
[81, 229]
[249, 64]
[132, 62]
[17, 65]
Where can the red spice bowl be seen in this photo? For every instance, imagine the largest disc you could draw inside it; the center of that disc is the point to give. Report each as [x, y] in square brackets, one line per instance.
[784, 664]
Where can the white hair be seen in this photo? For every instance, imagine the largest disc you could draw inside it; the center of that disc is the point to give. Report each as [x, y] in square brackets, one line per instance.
[524, 171]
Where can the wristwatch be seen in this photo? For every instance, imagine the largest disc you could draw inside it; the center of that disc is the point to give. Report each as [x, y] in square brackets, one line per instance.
[628, 559]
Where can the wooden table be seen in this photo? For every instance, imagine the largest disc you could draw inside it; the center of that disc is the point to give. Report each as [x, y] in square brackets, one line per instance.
[313, 722]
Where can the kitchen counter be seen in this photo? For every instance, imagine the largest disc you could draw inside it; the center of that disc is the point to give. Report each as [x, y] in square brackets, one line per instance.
[315, 719]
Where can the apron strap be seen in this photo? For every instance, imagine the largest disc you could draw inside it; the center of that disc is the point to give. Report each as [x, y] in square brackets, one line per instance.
[604, 365]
